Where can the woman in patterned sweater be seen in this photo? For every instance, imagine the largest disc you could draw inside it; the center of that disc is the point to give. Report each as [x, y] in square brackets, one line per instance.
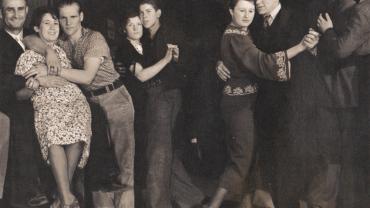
[246, 64]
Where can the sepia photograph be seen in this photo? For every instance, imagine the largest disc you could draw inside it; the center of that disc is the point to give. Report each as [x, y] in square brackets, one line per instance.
[185, 104]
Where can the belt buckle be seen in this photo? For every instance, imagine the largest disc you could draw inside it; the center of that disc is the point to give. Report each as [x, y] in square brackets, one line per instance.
[107, 88]
[90, 94]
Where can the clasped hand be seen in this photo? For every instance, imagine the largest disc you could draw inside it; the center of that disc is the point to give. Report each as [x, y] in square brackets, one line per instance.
[175, 51]
[311, 39]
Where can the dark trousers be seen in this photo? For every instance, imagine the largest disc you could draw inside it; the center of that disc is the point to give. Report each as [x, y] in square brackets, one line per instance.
[316, 162]
[341, 185]
[27, 173]
[165, 173]
[353, 161]
[271, 106]
[238, 113]
[4, 149]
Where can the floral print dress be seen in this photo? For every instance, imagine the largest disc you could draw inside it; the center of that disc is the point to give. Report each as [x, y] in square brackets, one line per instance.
[62, 114]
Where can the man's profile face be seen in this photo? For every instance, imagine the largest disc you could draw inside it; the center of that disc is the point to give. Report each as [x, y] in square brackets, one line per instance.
[149, 16]
[265, 7]
[70, 19]
[14, 14]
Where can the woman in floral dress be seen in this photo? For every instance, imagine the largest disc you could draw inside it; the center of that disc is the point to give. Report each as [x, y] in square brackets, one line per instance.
[62, 114]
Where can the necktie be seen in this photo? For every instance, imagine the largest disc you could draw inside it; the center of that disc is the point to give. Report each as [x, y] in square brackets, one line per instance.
[267, 21]
[19, 41]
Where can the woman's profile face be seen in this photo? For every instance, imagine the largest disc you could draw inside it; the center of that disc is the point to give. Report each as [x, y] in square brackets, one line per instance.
[243, 13]
[134, 28]
[48, 29]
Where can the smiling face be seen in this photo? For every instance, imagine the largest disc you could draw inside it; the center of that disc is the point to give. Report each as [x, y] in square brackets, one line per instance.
[14, 14]
[243, 13]
[149, 15]
[48, 29]
[134, 28]
[70, 19]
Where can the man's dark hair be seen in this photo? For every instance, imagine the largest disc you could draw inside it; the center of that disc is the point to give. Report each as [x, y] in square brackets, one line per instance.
[39, 13]
[63, 3]
[155, 3]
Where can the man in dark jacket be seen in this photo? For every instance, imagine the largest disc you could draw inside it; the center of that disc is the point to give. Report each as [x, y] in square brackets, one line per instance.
[14, 102]
[343, 39]
[166, 181]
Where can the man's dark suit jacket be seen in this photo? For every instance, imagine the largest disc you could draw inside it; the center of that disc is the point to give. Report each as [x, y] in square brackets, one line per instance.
[24, 152]
[286, 31]
[280, 104]
[272, 95]
[9, 83]
[338, 47]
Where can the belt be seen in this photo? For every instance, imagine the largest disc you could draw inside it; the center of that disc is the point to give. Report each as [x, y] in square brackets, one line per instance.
[108, 88]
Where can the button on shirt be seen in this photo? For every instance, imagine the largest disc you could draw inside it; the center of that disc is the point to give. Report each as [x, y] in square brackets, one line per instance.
[18, 38]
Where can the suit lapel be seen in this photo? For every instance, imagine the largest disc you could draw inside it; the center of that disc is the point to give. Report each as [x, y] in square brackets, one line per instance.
[11, 43]
[280, 21]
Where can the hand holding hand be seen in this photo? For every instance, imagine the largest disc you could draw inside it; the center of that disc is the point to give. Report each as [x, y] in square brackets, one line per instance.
[169, 53]
[175, 52]
[310, 40]
[32, 83]
[324, 23]
[222, 71]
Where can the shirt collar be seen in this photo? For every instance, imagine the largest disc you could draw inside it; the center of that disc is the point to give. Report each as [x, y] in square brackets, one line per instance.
[275, 11]
[84, 31]
[16, 37]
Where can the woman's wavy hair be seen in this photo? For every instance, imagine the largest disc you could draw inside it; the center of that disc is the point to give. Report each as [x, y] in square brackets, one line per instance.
[39, 13]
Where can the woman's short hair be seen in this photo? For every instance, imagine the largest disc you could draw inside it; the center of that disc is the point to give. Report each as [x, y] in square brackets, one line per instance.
[232, 3]
[128, 14]
[39, 13]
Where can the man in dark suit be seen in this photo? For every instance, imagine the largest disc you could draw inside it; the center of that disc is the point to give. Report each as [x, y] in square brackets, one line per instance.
[24, 154]
[273, 29]
[342, 41]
